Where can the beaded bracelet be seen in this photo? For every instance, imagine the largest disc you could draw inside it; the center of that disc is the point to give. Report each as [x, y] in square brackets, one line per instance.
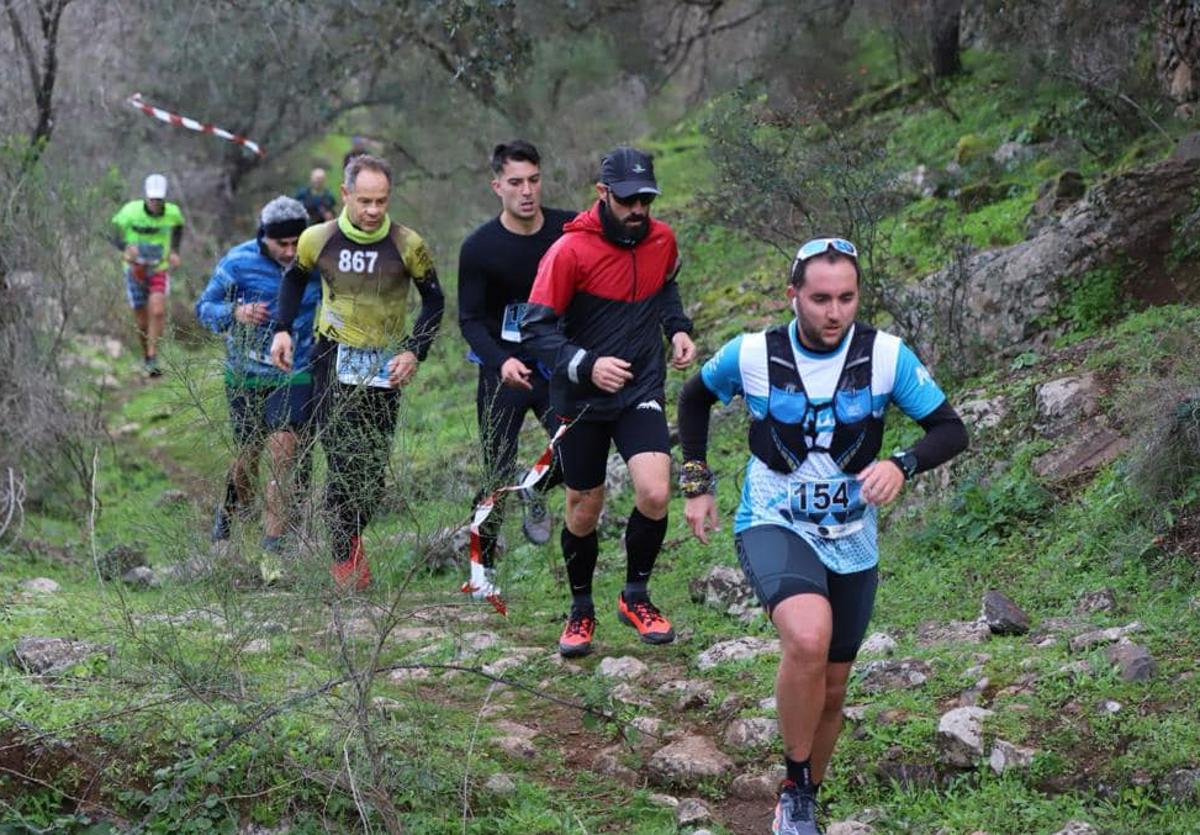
[696, 479]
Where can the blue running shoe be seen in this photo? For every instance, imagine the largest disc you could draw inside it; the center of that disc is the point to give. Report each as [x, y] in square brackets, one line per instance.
[796, 811]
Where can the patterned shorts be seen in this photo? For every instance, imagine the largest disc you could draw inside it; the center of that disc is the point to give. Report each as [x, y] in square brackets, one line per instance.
[139, 285]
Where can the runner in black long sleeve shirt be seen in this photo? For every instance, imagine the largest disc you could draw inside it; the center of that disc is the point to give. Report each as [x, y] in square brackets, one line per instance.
[496, 267]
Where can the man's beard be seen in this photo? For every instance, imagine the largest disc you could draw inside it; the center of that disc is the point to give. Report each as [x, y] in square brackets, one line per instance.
[620, 233]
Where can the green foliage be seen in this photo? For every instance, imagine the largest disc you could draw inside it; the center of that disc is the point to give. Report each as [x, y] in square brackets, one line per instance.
[1092, 300]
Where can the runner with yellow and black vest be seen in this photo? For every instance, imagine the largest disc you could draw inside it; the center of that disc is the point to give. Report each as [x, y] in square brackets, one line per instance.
[363, 355]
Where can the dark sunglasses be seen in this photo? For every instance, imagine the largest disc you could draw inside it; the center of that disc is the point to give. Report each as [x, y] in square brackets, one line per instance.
[644, 198]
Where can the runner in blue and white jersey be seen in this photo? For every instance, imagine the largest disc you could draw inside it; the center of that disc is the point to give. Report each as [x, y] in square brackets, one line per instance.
[817, 390]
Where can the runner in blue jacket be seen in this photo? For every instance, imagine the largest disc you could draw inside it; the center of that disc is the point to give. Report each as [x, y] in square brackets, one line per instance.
[267, 407]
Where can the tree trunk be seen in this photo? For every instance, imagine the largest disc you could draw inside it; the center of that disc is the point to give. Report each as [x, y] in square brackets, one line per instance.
[944, 17]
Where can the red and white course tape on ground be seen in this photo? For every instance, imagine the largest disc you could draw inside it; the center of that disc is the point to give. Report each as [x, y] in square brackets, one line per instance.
[480, 586]
[138, 103]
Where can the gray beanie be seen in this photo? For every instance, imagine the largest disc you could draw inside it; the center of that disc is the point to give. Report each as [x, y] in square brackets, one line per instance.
[283, 217]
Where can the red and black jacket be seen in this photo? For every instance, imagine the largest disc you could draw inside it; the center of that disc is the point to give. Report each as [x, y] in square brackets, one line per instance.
[592, 299]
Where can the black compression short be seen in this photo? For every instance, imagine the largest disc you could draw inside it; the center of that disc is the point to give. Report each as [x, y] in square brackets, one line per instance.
[779, 564]
[584, 449]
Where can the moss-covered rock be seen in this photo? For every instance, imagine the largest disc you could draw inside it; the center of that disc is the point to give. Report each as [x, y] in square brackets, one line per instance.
[972, 148]
[977, 195]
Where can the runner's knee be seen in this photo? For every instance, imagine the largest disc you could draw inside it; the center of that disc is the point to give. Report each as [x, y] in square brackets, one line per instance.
[652, 499]
[583, 510]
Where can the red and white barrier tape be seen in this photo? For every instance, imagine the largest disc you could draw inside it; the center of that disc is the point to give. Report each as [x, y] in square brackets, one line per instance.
[138, 103]
[480, 586]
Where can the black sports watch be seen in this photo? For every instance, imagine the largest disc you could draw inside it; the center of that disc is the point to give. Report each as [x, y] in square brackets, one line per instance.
[907, 462]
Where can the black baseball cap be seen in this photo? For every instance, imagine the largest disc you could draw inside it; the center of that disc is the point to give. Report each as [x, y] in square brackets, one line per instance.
[628, 171]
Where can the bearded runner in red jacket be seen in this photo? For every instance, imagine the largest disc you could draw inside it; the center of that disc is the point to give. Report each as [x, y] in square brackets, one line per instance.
[604, 299]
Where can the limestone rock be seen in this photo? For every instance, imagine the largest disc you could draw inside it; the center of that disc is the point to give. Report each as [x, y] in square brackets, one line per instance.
[40, 585]
[932, 633]
[608, 763]
[758, 786]
[878, 676]
[1011, 155]
[1076, 827]
[140, 577]
[1182, 785]
[688, 694]
[626, 668]
[1092, 446]
[992, 303]
[849, 827]
[1100, 600]
[516, 659]
[721, 588]
[500, 784]
[756, 732]
[629, 694]
[983, 413]
[1102, 636]
[120, 558]
[691, 811]
[665, 800]
[646, 733]
[54, 656]
[474, 643]
[738, 649]
[960, 736]
[689, 761]
[878, 643]
[1003, 616]
[1006, 757]
[1133, 661]
[515, 740]
[1066, 401]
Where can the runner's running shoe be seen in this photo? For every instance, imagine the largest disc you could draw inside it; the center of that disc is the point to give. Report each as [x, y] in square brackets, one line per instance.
[576, 638]
[151, 367]
[353, 573]
[644, 616]
[796, 811]
[536, 522]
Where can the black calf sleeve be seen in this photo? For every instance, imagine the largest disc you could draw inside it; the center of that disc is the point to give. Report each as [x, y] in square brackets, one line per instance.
[643, 541]
[580, 553]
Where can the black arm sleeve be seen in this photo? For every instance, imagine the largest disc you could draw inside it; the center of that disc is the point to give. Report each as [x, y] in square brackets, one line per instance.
[695, 403]
[473, 313]
[433, 304]
[291, 290]
[116, 237]
[945, 437]
[176, 237]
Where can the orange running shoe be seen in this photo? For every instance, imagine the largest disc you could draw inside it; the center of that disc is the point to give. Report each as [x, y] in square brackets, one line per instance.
[353, 573]
[644, 616]
[576, 638]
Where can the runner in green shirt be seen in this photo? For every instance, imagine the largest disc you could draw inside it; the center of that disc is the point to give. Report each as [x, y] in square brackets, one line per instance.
[148, 233]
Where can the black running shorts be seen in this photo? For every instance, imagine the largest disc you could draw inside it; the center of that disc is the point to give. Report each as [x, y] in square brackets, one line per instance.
[255, 413]
[779, 564]
[584, 449]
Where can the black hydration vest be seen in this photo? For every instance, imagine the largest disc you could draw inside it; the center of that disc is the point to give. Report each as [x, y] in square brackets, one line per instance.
[783, 438]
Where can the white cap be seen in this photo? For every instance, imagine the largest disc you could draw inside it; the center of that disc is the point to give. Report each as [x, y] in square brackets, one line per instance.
[156, 187]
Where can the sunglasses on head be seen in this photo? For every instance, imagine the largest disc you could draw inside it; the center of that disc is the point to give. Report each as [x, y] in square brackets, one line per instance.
[645, 198]
[819, 246]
